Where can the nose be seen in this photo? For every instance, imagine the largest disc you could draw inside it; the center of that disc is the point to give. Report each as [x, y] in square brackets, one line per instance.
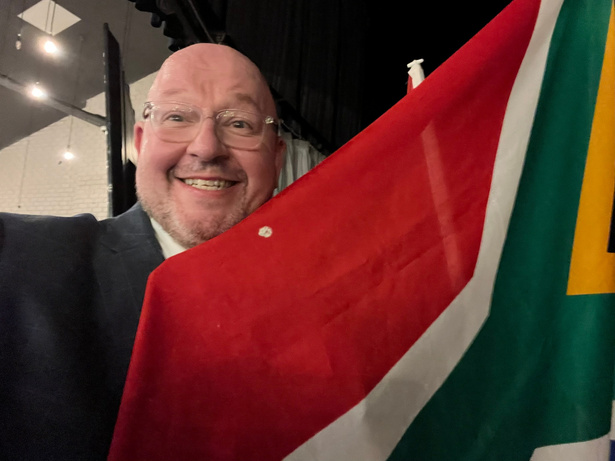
[206, 145]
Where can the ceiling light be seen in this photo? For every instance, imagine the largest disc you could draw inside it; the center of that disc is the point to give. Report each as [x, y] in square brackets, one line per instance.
[50, 47]
[37, 92]
[68, 155]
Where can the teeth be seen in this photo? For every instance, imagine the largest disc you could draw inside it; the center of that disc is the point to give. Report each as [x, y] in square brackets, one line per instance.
[207, 184]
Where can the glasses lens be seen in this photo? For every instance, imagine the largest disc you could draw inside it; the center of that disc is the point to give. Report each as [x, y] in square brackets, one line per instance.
[175, 122]
[237, 128]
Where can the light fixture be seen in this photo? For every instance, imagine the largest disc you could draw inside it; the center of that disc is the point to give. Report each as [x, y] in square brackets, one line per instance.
[68, 155]
[37, 92]
[50, 47]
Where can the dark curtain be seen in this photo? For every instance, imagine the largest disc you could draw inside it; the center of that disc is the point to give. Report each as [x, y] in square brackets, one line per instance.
[334, 65]
[310, 52]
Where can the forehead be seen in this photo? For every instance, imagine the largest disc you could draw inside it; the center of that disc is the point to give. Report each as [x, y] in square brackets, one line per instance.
[217, 79]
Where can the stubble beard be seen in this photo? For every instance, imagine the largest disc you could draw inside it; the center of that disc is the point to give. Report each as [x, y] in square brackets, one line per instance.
[190, 232]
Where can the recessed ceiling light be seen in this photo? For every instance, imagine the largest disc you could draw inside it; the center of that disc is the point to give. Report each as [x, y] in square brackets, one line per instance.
[68, 155]
[50, 47]
[37, 92]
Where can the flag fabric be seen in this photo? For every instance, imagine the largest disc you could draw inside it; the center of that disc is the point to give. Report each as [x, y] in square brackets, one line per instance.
[437, 289]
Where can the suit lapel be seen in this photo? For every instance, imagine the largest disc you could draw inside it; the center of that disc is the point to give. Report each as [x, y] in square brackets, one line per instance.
[127, 252]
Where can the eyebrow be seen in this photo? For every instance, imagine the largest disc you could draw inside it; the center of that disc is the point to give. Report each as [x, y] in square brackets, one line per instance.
[243, 98]
[246, 98]
[172, 92]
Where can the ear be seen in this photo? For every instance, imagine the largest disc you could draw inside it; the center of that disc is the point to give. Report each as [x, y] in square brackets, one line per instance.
[280, 154]
[138, 136]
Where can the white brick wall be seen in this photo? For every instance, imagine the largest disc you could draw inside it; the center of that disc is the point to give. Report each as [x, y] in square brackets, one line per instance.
[35, 179]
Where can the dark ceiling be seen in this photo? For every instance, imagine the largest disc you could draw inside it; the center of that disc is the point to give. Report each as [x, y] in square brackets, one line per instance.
[335, 64]
[78, 74]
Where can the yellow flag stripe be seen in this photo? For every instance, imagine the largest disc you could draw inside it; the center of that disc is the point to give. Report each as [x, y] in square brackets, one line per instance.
[592, 268]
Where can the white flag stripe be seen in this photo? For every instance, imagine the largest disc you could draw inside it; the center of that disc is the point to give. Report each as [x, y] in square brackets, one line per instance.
[591, 450]
[371, 430]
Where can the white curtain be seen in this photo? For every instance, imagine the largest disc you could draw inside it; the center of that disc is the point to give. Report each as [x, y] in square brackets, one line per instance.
[300, 157]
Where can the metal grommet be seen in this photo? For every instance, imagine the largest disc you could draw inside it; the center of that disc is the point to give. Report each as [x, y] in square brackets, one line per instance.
[265, 231]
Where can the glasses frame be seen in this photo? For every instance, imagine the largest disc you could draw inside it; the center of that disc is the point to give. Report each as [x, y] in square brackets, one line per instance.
[268, 120]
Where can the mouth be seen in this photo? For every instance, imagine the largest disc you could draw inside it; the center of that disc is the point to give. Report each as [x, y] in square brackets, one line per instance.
[209, 184]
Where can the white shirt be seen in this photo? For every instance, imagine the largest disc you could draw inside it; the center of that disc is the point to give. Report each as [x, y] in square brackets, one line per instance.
[169, 246]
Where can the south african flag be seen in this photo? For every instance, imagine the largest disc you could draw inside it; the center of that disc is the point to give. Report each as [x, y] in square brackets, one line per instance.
[438, 289]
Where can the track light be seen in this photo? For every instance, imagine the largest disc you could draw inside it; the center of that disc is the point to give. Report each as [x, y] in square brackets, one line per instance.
[37, 92]
[50, 47]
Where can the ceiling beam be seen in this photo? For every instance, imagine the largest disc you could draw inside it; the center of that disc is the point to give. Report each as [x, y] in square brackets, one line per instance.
[62, 106]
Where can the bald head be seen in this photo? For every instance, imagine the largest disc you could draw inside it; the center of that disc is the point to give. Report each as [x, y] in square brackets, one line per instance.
[198, 187]
[213, 61]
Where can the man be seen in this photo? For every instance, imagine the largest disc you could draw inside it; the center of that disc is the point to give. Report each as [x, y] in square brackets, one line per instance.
[71, 288]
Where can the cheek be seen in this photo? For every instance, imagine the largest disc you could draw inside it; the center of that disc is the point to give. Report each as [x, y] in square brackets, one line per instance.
[261, 175]
[156, 158]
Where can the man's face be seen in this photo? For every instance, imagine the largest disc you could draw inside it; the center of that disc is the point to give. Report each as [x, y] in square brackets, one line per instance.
[199, 189]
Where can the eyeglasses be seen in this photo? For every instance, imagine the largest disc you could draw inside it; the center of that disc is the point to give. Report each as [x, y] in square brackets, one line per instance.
[179, 122]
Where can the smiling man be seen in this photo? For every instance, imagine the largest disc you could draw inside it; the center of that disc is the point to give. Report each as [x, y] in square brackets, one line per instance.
[209, 153]
[208, 149]
[71, 289]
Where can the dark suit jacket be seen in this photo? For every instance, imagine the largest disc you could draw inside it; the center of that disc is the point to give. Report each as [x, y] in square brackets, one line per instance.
[71, 291]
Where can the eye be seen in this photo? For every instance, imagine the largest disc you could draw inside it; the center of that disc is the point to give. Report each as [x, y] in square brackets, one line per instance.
[178, 117]
[238, 122]
[241, 124]
[173, 118]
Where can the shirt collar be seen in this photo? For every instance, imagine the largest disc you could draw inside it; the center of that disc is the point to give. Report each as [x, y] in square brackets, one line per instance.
[168, 245]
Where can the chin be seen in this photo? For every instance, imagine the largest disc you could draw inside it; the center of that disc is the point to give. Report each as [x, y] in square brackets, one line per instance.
[193, 230]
